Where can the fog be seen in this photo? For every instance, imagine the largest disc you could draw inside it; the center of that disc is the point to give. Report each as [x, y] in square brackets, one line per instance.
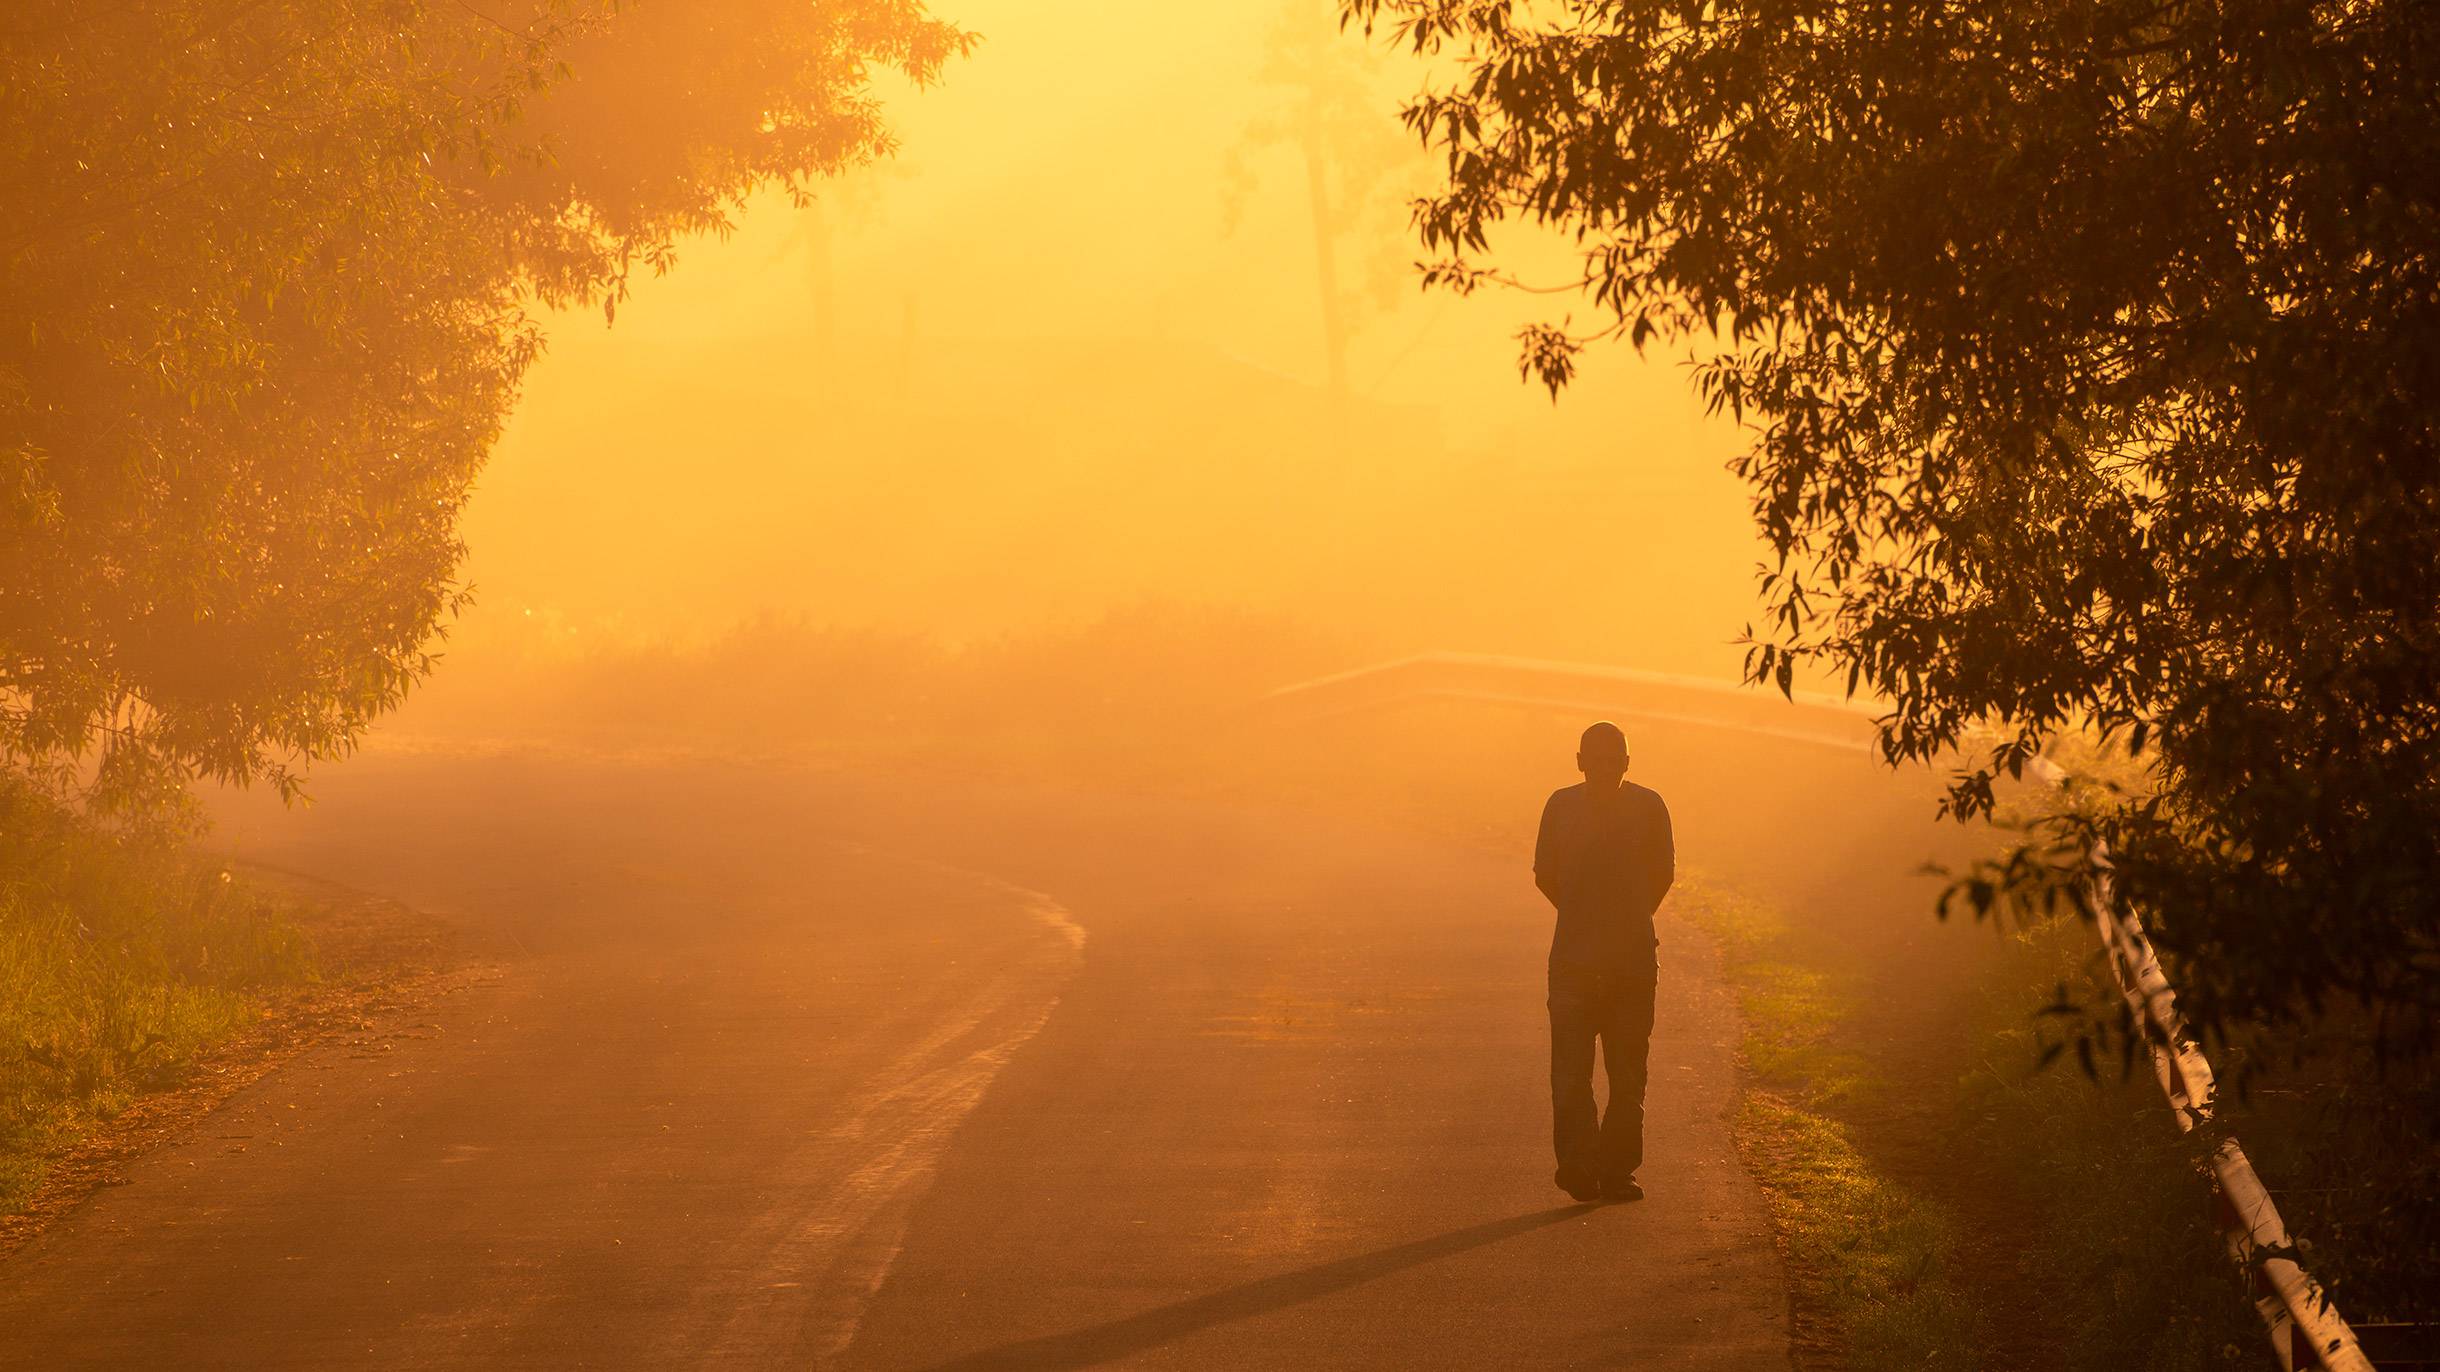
[1065, 358]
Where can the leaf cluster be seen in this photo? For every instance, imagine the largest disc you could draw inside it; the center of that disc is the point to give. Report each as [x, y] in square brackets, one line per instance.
[2088, 348]
[267, 273]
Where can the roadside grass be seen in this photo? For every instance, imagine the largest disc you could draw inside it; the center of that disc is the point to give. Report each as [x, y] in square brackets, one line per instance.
[1871, 1265]
[2116, 1264]
[120, 961]
[2129, 1269]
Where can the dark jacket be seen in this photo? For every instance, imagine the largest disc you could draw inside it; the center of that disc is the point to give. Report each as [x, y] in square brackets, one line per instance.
[1605, 861]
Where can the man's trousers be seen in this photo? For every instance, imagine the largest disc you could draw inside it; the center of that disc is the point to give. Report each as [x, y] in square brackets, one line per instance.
[1613, 1005]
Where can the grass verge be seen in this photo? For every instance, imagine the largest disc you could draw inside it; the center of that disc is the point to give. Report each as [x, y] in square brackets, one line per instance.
[1871, 1264]
[121, 961]
[2088, 1244]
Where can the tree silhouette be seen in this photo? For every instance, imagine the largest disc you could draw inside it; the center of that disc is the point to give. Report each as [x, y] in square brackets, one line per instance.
[1324, 103]
[266, 275]
[2089, 351]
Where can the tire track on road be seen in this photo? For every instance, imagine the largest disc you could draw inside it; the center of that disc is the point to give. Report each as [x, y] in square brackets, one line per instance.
[823, 1253]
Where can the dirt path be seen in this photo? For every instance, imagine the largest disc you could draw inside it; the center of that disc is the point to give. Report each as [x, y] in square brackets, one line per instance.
[790, 1070]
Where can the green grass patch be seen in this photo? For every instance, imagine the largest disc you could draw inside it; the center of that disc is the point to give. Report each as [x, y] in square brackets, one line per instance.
[1870, 1264]
[2118, 1264]
[1868, 1259]
[121, 959]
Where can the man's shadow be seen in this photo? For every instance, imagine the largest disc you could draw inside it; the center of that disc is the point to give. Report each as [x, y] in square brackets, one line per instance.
[1102, 1342]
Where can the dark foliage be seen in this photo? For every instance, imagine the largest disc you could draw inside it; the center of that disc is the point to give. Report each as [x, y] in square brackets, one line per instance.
[2091, 351]
[265, 276]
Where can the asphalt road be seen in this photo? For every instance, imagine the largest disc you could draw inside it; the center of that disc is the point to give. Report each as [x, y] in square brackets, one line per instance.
[774, 1068]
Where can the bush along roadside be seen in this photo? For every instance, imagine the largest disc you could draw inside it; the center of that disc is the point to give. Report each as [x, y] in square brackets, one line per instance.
[2122, 1264]
[121, 958]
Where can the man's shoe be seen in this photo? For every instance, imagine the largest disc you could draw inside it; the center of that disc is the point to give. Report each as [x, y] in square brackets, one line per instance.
[1584, 1189]
[1618, 1192]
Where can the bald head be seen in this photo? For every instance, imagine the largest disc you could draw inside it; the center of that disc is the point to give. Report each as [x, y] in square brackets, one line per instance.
[1602, 754]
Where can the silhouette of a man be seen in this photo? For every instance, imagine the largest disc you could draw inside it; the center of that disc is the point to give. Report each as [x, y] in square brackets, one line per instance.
[1605, 858]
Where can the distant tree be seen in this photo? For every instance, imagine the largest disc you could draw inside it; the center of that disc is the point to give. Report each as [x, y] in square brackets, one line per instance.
[267, 274]
[851, 201]
[2091, 350]
[1319, 96]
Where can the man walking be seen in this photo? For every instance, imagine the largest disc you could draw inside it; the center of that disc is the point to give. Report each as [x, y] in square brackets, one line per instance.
[1605, 858]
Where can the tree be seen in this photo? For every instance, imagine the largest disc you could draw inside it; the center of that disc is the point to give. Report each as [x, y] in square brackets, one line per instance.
[1322, 101]
[267, 273]
[2089, 349]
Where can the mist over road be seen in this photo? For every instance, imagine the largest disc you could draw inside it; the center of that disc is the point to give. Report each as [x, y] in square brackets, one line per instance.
[784, 1068]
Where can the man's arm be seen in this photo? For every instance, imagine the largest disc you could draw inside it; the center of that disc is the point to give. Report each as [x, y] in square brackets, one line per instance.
[1546, 853]
[1664, 870]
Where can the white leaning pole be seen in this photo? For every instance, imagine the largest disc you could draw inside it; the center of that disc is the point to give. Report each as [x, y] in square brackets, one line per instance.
[2306, 1329]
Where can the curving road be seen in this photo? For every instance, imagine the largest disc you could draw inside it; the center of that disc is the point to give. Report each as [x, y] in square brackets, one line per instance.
[774, 1068]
